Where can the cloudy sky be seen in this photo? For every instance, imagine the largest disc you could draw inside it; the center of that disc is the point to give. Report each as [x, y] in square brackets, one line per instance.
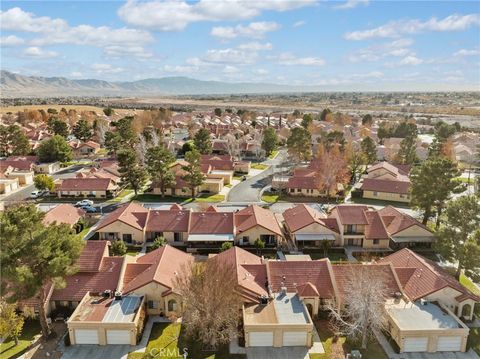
[303, 42]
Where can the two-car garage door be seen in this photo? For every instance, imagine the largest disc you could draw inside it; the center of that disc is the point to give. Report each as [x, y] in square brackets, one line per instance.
[90, 336]
[265, 339]
[444, 344]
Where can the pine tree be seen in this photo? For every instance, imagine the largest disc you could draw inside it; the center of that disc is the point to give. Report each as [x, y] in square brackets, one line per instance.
[270, 140]
[159, 159]
[131, 173]
[369, 150]
[299, 144]
[202, 141]
[82, 130]
[193, 174]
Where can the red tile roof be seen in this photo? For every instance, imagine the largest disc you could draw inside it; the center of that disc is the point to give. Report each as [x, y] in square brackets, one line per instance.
[211, 223]
[386, 186]
[90, 259]
[86, 184]
[302, 215]
[307, 290]
[161, 266]
[218, 162]
[251, 273]
[344, 273]
[293, 274]
[253, 216]
[396, 221]
[393, 169]
[64, 213]
[131, 214]
[375, 228]
[173, 220]
[421, 277]
[351, 213]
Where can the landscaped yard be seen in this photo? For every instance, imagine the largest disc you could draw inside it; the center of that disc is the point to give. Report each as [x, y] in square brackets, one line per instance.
[133, 251]
[342, 346]
[121, 196]
[167, 338]
[8, 348]
[84, 231]
[334, 256]
[210, 198]
[467, 283]
[259, 166]
[148, 197]
[270, 197]
[273, 155]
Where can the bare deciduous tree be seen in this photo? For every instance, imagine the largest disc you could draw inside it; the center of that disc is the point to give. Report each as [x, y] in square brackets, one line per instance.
[141, 148]
[210, 303]
[362, 311]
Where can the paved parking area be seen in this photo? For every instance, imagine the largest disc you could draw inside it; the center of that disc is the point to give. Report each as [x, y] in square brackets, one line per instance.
[277, 353]
[440, 355]
[96, 351]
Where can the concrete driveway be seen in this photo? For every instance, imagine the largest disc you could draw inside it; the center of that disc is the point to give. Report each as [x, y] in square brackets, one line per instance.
[440, 355]
[277, 353]
[96, 351]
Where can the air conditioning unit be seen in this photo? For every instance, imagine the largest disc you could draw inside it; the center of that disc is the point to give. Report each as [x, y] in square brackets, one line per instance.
[423, 301]
[118, 295]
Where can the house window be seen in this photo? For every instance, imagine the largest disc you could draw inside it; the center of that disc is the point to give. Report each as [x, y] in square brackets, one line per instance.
[375, 194]
[172, 305]
[351, 228]
[376, 241]
[292, 190]
[127, 238]
[245, 239]
[152, 304]
[177, 237]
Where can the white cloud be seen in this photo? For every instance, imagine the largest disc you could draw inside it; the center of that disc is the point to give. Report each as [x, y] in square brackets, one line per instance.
[76, 74]
[299, 23]
[11, 40]
[396, 48]
[411, 60]
[175, 15]
[465, 52]
[350, 4]
[107, 69]
[228, 69]
[230, 56]
[394, 29]
[180, 69]
[57, 31]
[119, 51]
[255, 30]
[289, 59]
[260, 72]
[256, 46]
[39, 53]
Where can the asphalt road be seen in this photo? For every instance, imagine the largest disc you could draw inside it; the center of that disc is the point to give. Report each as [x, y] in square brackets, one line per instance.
[249, 190]
[24, 192]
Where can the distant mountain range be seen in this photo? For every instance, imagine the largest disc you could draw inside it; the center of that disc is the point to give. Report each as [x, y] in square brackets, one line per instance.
[16, 85]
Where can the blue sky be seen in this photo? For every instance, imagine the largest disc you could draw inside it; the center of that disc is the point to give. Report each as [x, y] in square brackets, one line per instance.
[385, 44]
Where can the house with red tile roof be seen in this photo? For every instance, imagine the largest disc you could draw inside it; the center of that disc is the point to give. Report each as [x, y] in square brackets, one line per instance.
[254, 222]
[84, 149]
[153, 275]
[387, 182]
[64, 213]
[126, 223]
[424, 279]
[172, 224]
[86, 187]
[361, 227]
[211, 227]
[308, 227]
[404, 230]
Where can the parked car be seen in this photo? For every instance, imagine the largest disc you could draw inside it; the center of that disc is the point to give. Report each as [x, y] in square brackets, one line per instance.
[85, 202]
[89, 209]
[244, 178]
[37, 194]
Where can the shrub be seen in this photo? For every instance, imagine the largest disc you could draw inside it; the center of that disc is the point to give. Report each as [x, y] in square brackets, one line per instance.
[118, 248]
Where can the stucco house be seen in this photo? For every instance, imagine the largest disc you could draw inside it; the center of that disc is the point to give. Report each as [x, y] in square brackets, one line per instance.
[86, 187]
[387, 182]
[64, 213]
[308, 227]
[254, 222]
[171, 224]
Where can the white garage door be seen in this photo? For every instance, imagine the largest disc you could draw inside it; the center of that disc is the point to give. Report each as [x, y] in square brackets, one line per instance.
[291, 339]
[118, 336]
[261, 339]
[415, 344]
[449, 344]
[86, 336]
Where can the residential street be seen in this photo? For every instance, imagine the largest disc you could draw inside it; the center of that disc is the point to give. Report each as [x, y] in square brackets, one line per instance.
[249, 191]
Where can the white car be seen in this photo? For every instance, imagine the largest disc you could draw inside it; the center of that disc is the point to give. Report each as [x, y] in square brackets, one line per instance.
[85, 202]
[37, 193]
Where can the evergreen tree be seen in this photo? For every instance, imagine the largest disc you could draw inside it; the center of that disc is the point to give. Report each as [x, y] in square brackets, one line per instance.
[131, 173]
[299, 144]
[118, 248]
[193, 173]
[82, 130]
[202, 141]
[44, 182]
[54, 149]
[369, 149]
[34, 255]
[407, 154]
[113, 142]
[159, 160]
[270, 140]
[307, 120]
[59, 127]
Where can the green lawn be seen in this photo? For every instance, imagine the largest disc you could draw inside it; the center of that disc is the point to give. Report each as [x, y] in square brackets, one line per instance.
[343, 345]
[133, 251]
[334, 257]
[148, 197]
[270, 197]
[167, 338]
[8, 348]
[467, 283]
[210, 198]
[120, 196]
[259, 166]
[273, 155]
[466, 180]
